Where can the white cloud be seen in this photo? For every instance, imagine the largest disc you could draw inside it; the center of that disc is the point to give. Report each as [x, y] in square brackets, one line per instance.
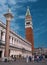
[2, 1]
[15, 27]
[37, 30]
[22, 16]
[2, 18]
[12, 1]
[33, 0]
[40, 30]
[17, 6]
[21, 0]
[26, 0]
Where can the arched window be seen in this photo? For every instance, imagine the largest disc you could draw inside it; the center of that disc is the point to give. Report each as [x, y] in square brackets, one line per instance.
[2, 36]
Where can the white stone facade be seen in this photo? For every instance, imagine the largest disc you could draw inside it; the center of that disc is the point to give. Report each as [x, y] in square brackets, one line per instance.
[18, 45]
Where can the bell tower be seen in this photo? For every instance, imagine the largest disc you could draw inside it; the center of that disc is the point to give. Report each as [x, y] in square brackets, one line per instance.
[29, 28]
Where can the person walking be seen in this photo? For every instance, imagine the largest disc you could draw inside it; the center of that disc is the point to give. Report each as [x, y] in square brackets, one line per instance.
[33, 58]
[27, 59]
[30, 58]
[37, 58]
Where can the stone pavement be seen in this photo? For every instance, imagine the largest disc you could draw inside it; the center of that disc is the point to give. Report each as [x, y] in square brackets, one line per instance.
[20, 62]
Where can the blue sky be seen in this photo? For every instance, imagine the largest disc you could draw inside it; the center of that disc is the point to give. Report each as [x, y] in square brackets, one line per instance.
[38, 9]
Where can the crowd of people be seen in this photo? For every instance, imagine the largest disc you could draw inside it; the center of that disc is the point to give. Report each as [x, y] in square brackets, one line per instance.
[33, 58]
[36, 58]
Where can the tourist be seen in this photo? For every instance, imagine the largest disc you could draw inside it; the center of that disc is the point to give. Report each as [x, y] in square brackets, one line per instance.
[33, 58]
[27, 59]
[30, 58]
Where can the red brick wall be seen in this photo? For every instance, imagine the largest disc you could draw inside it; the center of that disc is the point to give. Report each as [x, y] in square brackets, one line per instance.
[29, 36]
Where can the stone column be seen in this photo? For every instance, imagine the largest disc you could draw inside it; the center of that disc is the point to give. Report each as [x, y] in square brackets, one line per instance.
[7, 38]
[8, 17]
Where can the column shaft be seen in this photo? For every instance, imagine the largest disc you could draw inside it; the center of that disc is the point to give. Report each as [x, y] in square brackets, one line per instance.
[7, 39]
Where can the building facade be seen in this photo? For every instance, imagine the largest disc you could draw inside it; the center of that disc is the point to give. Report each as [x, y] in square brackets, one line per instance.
[40, 51]
[17, 46]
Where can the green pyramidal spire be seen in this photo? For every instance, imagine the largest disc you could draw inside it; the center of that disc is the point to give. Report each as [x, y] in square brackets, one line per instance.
[28, 12]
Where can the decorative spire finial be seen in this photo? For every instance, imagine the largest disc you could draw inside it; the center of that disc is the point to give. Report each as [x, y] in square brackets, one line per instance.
[28, 11]
[9, 11]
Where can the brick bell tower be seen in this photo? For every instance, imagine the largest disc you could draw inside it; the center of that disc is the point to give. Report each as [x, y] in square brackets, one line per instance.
[29, 28]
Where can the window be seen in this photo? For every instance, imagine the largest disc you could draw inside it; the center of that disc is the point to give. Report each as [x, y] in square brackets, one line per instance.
[28, 23]
[1, 34]
[12, 39]
[17, 40]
